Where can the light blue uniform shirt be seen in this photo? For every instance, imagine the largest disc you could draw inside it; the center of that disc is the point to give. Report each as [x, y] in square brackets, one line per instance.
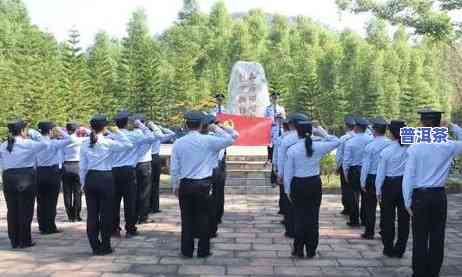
[341, 148]
[52, 155]
[392, 162]
[71, 152]
[273, 110]
[371, 157]
[194, 156]
[428, 165]
[24, 153]
[145, 150]
[353, 154]
[131, 156]
[101, 155]
[276, 133]
[164, 137]
[298, 164]
[290, 139]
[218, 109]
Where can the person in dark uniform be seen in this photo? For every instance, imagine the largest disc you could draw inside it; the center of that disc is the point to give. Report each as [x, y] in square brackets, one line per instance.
[282, 196]
[164, 136]
[17, 159]
[96, 163]
[368, 174]
[349, 126]
[425, 175]
[193, 158]
[388, 184]
[352, 160]
[290, 139]
[143, 177]
[49, 177]
[124, 171]
[72, 189]
[302, 184]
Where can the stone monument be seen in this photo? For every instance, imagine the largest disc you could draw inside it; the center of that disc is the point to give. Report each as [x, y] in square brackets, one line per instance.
[248, 90]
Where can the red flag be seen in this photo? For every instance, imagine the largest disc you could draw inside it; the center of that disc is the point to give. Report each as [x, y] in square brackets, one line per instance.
[253, 131]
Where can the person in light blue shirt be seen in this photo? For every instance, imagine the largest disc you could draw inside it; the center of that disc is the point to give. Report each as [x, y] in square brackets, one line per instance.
[49, 176]
[17, 160]
[302, 184]
[388, 187]
[96, 162]
[193, 159]
[368, 173]
[124, 171]
[72, 188]
[353, 156]
[349, 121]
[282, 203]
[290, 139]
[164, 136]
[426, 171]
[274, 109]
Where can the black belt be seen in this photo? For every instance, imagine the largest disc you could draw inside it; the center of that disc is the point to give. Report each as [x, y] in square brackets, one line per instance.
[49, 166]
[430, 189]
[196, 180]
[71, 162]
[393, 178]
[155, 155]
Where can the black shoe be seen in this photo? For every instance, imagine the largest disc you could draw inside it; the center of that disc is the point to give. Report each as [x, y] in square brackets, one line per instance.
[388, 253]
[279, 212]
[219, 221]
[289, 235]
[205, 255]
[186, 256]
[214, 235]
[156, 211]
[344, 212]
[116, 234]
[105, 252]
[310, 255]
[353, 224]
[78, 219]
[132, 234]
[367, 236]
[298, 254]
[71, 220]
[283, 222]
[28, 245]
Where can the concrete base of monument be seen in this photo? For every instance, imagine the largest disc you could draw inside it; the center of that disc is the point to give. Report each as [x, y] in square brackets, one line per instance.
[247, 169]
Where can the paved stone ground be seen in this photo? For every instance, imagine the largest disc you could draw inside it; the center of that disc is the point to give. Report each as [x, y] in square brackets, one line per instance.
[250, 243]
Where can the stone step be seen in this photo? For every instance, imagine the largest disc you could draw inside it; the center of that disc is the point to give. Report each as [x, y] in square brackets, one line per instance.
[251, 190]
[247, 165]
[249, 173]
[252, 158]
[249, 182]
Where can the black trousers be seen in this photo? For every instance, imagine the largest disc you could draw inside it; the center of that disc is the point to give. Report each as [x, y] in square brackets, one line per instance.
[72, 190]
[370, 205]
[124, 188]
[354, 192]
[99, 195]
[393, 205]
[19, 189]
[344, 189]
[194, 198]
[220, 189]
[155, 175]
[429, 209]
[144, 188]
[306, 194]
[48, 184]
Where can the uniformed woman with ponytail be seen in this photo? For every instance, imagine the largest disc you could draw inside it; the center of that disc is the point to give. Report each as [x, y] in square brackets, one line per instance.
[388, 185]
[302, 184]
[96, 162]
[17, 159]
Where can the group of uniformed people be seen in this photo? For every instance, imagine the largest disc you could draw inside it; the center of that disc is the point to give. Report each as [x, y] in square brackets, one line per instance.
[110, 166]
[407, 182]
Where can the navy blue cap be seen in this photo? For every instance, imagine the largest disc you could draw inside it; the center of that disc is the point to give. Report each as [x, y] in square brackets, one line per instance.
[210, 119]
[379, 122]
[72, 126]
[122, 115]
[349, 120]
[275, 93]
[361, 121]
[428, 114]
[296, 117]
[16, 125]
[397, 124]
[194, 116]
[219, 94]
[45, 126]
[98, 120]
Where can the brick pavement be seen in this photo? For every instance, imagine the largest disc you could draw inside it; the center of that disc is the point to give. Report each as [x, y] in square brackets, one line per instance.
[250, 243]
